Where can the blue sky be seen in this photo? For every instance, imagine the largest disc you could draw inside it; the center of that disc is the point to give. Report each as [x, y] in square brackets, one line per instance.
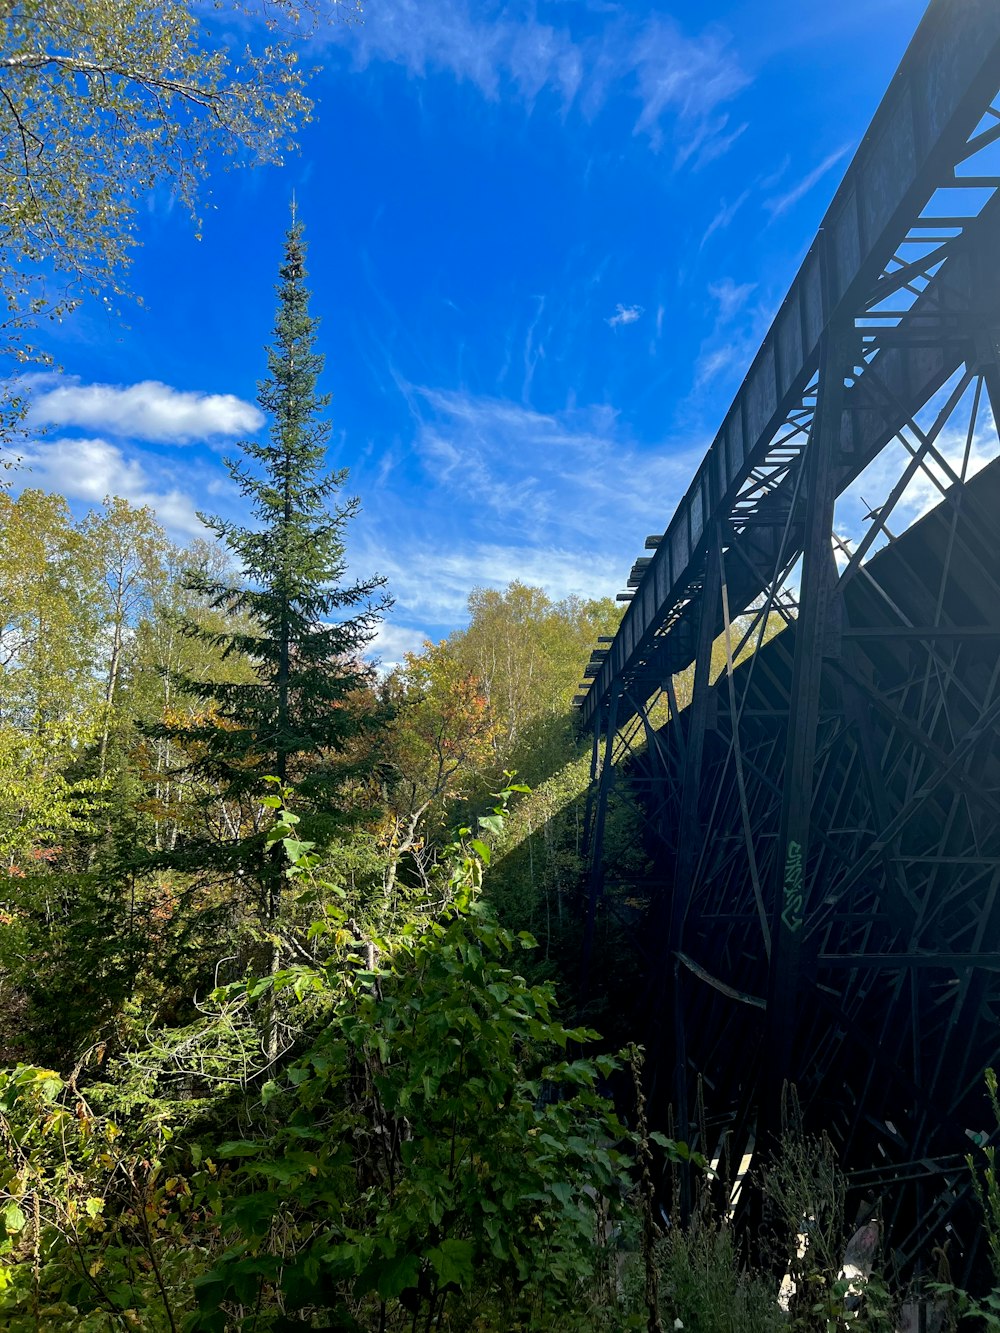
[545, 241]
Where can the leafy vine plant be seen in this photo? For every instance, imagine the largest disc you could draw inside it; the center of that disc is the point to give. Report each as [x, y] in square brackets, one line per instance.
[425, 1151]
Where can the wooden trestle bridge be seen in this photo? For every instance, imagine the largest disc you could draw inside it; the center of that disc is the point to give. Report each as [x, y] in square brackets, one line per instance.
[826, 815]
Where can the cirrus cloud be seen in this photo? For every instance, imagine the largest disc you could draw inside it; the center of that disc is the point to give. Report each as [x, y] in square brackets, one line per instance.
[782, 203]
[670, 75]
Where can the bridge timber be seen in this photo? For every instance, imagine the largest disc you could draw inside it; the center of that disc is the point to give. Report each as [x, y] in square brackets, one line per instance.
[825, 816]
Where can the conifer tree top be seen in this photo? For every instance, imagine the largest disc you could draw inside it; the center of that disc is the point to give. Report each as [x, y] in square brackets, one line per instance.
[291, 612]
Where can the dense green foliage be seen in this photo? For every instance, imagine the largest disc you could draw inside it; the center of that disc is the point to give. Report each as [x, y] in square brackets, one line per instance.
[385, 1125]
[424, 1148]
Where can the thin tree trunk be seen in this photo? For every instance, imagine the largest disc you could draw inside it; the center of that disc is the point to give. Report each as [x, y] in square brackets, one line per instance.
[109, 699]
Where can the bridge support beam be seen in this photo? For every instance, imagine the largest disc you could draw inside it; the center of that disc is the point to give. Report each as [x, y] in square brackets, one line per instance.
[814, 629]
[826, 821]
[595, 879]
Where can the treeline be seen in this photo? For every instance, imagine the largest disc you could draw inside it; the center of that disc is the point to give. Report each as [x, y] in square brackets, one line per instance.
[104, 646]
[199, 1088]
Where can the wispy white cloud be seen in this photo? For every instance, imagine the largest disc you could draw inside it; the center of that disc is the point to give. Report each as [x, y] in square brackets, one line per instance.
[149, 411]
[726, 353]
[508, 492]
[624, 314]
[87, 470]
[670, 75]
[718, 361]
[731, 296]
[434, 585]
[573, 464]
[392, 642]
[719, 143]
[783, 202]
[690, 78]
[533, 351]
[771, 179]
[724, 216]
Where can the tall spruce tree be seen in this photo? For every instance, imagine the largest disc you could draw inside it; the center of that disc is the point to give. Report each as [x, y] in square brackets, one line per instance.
[290, 613]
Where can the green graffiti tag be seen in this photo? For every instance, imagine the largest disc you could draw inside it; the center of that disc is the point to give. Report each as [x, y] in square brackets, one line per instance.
[791, 916]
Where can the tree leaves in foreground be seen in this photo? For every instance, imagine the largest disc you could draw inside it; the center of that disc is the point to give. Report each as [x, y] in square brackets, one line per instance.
[102, 102]
[423, 1154]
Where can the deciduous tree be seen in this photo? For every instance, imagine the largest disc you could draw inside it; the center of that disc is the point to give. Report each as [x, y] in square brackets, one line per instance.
[440, 746]
[528, 651]
[103, 100]
[129, 548]
[49, 616]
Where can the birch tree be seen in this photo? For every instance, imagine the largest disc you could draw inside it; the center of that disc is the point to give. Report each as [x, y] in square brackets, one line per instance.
[101, 101]
[130, 549]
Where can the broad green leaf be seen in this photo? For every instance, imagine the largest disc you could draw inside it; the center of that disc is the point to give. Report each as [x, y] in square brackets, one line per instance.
[396, 1275]
[296, 849]
[452, 1262]
[562, 1190]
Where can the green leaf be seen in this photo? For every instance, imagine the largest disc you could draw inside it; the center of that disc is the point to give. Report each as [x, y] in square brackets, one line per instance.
[481, 850]
[296, 849]
[669, 1145]
[13, 1219]
[396, 1274]
[304, 983]
[452, 1262]
[238, 1148]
